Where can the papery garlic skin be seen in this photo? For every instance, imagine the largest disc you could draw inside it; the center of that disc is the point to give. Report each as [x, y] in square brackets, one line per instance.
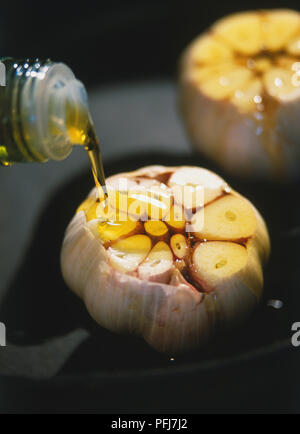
[172, 317]
[240, 93]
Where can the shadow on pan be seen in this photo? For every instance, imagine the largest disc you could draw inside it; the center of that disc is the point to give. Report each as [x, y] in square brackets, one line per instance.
[252, 369]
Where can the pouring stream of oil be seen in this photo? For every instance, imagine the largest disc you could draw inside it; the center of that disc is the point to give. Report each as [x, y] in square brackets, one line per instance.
[82, 132]
[93, 149]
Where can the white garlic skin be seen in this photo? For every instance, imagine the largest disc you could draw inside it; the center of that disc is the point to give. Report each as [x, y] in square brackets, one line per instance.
[232, 139]
[172, 318]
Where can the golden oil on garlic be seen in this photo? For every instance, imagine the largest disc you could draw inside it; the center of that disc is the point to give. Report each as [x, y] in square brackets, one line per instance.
[150, 231]
[150, 276]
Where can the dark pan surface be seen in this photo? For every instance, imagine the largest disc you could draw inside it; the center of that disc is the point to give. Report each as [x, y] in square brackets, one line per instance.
[48, 311]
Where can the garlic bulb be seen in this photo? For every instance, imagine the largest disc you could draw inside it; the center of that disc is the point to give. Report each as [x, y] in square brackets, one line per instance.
[146, 274]
[240, 93]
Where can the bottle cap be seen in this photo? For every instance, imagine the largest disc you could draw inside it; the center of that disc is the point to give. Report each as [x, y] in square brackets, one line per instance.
[50, 98]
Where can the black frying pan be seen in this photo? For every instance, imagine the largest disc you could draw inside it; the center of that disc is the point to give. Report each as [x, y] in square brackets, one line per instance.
[250, 369]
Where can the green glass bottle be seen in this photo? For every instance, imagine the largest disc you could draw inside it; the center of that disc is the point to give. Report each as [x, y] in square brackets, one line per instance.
[43, 111]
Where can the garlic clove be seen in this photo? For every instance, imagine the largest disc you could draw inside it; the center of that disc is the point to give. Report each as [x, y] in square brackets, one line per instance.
[126, 255]
[179, 246]
[242, 32]
[229, 218]
[157, 230]
[231, 274]
[158, 266]
[192, 181]
[175, 219]
[279, 28]
[111, 232]
[216, 260]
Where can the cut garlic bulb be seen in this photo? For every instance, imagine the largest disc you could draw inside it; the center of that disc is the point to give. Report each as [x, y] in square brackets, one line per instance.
[155, 279]
[240, 93]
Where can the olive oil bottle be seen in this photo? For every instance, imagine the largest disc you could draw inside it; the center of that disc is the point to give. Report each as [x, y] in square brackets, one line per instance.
[44, 113]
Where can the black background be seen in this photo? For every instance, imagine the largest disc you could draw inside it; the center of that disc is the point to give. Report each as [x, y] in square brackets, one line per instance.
[115, 39]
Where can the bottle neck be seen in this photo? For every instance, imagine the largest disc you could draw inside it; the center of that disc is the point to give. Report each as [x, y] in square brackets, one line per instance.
[47, 109]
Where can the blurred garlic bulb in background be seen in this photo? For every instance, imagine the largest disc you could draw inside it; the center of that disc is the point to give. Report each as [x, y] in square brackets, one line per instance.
[240, 93]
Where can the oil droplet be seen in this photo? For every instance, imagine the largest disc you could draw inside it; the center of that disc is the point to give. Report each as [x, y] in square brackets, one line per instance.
[258, 99]
[224, 81]
[276, 304]
[239, 94]
[259, 131]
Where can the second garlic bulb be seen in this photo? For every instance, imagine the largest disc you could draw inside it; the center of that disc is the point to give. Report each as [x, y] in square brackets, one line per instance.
[139, 271]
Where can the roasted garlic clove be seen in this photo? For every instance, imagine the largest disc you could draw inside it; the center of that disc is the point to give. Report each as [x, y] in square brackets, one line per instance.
[126, 255]
[230, 218]
[159, 265]
[155, 279]
[157, 230]
[179, 246]
[175, 219]
[187, 181]
[240, 93]
[226, 270]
